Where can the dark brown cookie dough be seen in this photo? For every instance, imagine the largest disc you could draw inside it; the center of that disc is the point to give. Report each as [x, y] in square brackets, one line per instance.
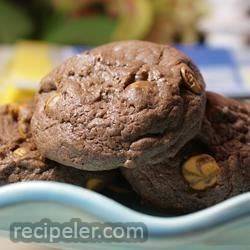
[21, 161]
[209, 169]
[118, 105]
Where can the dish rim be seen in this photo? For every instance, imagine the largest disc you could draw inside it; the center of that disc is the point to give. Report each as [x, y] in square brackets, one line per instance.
[228, 211]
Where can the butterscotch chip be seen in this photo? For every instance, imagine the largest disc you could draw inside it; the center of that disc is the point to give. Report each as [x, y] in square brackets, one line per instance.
[51, 102]
[190, 80]
[129, 164]
[94, 184]
[23, 130]
[141, 94]
[20, 152]
[140, 85]
[201, 171]
[143, 87]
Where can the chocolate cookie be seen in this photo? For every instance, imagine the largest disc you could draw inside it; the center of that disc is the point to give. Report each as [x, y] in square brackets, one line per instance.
[119, 105]
[21, 161]
[209, 169]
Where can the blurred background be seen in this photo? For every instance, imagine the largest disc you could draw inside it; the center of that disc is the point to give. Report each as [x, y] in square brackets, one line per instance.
[36, 35]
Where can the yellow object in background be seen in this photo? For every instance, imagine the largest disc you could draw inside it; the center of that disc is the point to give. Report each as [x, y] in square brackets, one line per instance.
[29, 62]
[13, 94]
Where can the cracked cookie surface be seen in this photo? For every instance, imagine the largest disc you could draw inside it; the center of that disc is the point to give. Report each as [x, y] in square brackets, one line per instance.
[209, 169]
[118, 105]
[21, 161]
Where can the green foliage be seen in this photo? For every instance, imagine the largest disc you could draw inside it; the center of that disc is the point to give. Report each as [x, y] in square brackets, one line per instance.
[92, 30]
[14, 23]
[95, 22]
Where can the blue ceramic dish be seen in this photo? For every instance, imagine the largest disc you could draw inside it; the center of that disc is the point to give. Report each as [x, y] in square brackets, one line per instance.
[224, 226]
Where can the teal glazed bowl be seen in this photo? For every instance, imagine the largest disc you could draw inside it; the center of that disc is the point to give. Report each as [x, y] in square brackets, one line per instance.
[223, 226]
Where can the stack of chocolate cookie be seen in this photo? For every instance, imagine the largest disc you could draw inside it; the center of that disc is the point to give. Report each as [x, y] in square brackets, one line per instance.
[138, 108]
